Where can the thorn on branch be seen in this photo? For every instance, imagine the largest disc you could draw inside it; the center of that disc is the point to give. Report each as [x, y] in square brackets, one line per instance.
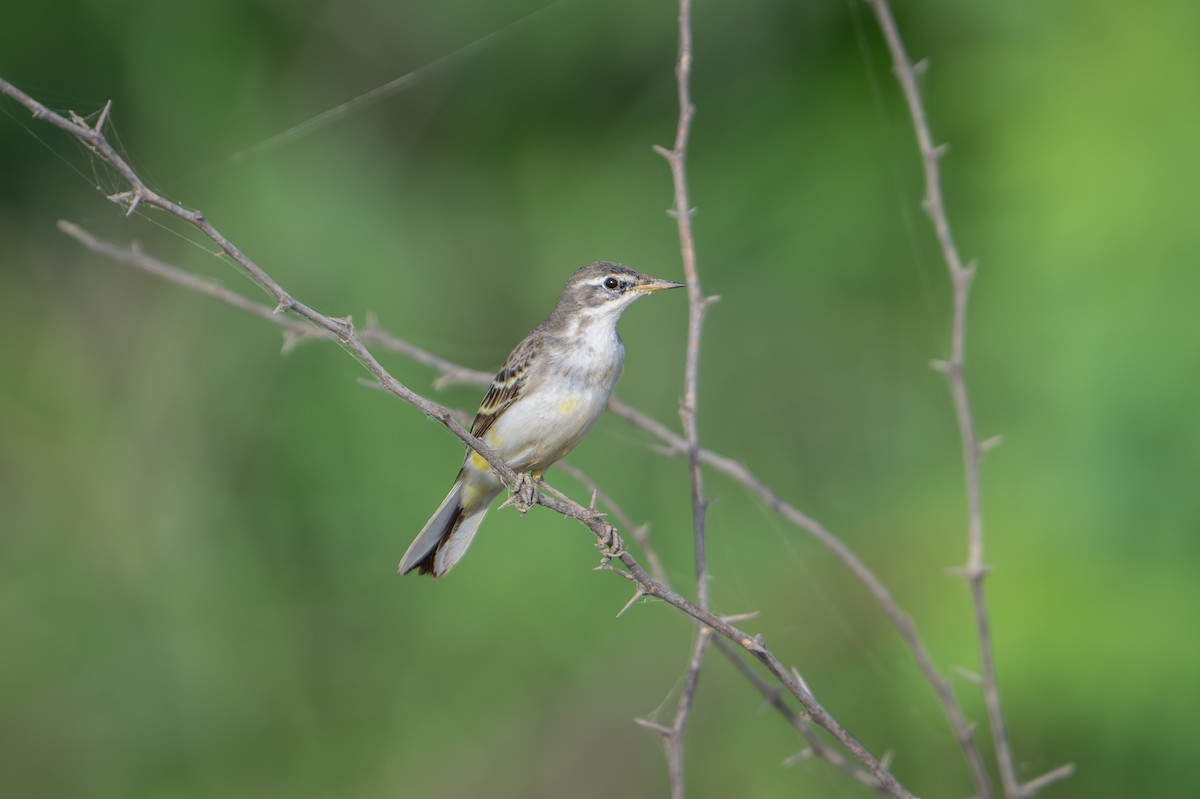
[968, 675]
[755, 644]
[130, 199]
[919, 68]
[345, 328]
[950, 369]
[638, 594]
[799, 679]
[668, 451]
[967, 273]
[989, 444]
[103, 117]
[655, 727]
[738, 618]
[803, 756]
[452, 377]
[969, 573]
[674, 214]
[1032, 787]
[938, 152]
[291, 339]
[286, 303]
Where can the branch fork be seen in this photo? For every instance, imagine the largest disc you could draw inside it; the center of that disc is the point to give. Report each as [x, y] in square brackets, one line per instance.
[300, 320]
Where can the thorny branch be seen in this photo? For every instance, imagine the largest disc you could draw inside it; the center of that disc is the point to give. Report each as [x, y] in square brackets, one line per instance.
[907, 73]
[672, 737]
[298, 331]
[343, 331]
[673, 445]
[817, 747]
[973, 448]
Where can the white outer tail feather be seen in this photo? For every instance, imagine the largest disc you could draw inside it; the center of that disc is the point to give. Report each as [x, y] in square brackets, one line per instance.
[451, 545]
[455, 546]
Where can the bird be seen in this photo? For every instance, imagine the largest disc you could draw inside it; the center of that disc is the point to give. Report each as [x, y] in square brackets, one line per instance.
[550, 392]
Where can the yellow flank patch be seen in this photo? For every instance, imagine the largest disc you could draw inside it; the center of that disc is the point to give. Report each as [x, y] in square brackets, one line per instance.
[479, 464]
[568, 405]
[472, 495]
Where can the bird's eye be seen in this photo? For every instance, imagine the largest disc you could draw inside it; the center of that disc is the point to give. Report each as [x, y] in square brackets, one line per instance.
[611, 283]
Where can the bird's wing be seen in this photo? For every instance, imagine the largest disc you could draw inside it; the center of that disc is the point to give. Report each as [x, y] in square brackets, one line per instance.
[507, 385]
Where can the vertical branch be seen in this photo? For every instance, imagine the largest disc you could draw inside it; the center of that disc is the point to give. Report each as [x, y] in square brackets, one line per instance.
[682, 211]
[973, 449]
[697, 302]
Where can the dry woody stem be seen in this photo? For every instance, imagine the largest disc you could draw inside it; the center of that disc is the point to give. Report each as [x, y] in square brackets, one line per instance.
[960, 277]
[344, 332]
[302, 322]
[672, 737]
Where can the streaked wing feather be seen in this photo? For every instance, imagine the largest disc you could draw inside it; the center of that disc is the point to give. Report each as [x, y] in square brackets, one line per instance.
[507, 385]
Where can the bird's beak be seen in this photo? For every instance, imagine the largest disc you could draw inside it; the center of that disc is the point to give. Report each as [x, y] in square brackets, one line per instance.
[654, 284]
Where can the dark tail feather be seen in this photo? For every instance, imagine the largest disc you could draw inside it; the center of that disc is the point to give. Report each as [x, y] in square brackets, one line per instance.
[446, 536]
[441, 525]
[426, 564]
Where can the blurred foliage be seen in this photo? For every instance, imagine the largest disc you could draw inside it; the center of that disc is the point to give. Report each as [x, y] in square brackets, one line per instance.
[198, 536]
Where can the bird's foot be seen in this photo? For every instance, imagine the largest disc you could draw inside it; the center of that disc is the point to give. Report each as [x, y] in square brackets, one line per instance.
[610, 545]
[524, 493]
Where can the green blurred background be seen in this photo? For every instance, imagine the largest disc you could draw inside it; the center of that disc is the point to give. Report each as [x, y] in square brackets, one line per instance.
[198, 536]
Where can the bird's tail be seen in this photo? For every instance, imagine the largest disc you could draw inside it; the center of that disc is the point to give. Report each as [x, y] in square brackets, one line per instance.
[445, 537]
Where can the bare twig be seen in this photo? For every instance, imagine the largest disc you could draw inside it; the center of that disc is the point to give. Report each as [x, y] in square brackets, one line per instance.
[344, 332]
[139, 260]
[638, 532]
[770, 693]
[1036, 784]
[697, 302]
[674, 443]
[901, 620]
[973, 449]
[682, 211]
[816, 745]
[672, 736]
[728, 466]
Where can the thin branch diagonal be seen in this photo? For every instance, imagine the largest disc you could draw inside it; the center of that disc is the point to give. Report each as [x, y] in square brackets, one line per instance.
[817, 748]
[954, 369]
[900, 620]
[455, 373]
[344, 332]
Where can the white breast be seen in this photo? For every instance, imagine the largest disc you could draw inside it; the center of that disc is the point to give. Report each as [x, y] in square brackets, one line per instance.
[561, 402]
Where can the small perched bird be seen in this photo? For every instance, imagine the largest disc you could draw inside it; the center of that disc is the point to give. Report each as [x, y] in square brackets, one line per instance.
[543, 401]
